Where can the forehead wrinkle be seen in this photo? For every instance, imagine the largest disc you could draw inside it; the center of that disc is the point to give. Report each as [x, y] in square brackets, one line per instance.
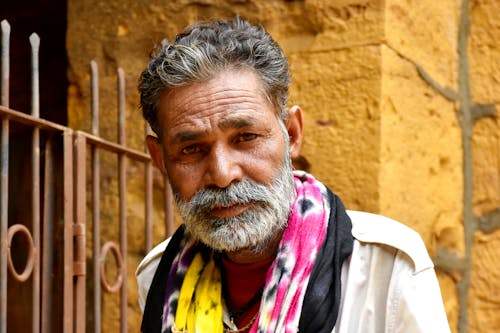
[238, 102]
[228, 95]
[193, 105]
[227, 104]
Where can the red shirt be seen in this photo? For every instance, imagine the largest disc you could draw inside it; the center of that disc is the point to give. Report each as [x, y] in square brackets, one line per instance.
[243, 281]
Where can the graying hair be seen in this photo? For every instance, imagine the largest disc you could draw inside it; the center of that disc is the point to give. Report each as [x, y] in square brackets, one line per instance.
[208, 48]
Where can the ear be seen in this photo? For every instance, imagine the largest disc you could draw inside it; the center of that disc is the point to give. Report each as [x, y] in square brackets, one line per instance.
[294, 128]
[156, 152]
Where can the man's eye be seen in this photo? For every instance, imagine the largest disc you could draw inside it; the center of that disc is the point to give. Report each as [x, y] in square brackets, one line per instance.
[190, 150]
[246, 137]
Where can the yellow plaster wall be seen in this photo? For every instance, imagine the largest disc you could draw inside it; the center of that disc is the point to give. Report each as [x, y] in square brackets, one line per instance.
[339, 92]
[484, 51]
[376, 81]
[425, 32]
[420, 176]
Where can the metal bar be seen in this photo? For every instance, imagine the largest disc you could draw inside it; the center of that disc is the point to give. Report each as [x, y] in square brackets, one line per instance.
[94, 87]
[148, 205]
[35, 185]
[121, 106]
[78, 232]
[122, 194]
[4, 216]
[91, 139]
[48, 239]
[68, 307]
[35, 72]
[29, 120]
[4, 100]
[96, 248]
[116, 148]
[4, 177]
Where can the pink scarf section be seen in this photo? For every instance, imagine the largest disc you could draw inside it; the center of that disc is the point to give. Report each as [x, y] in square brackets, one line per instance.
[287, 278]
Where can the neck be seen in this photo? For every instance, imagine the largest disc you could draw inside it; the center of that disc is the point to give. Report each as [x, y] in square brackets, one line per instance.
[242, 287]
[247, 256]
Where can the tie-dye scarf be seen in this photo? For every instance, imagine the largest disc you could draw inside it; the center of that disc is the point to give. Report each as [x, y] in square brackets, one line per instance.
[302, 286]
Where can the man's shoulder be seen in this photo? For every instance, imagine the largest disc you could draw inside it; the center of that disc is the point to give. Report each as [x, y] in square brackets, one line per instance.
[146, 270]
[377, 229]
[152, 258]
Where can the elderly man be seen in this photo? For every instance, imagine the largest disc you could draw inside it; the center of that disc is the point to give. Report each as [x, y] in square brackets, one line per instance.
[263, 248]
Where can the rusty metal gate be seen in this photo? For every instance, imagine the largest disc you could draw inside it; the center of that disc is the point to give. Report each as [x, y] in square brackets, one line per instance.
[43, 213]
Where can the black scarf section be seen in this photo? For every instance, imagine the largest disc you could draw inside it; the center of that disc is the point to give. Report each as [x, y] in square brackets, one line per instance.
[321, 304]
[322, 299]
[153, 310]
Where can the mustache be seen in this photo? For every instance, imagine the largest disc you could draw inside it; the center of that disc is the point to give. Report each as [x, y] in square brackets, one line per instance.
[242, 192]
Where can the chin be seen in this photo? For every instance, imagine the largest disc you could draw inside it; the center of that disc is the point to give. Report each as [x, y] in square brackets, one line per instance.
[239, 240]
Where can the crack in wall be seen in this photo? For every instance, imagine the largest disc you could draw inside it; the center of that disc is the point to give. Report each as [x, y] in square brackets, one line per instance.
[459, 268]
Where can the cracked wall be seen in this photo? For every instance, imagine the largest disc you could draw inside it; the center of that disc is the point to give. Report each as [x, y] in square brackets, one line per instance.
[458, 197]
[399, 100]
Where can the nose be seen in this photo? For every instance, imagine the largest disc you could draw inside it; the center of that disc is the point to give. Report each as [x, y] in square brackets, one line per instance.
[223, 167]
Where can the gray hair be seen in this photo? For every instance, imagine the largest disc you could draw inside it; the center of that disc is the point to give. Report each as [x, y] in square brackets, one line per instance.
[208, 48]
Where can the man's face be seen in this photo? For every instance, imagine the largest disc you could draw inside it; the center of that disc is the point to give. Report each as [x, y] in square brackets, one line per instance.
[227, 159]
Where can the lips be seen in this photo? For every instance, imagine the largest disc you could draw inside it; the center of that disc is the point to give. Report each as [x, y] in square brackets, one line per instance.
[230, 210]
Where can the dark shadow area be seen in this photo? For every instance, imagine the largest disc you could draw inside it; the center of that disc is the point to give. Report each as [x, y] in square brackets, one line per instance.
[48, 19]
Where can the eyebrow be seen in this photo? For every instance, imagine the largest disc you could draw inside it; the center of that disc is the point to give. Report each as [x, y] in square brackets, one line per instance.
[224, 124]
[237, 123]
[188, 136]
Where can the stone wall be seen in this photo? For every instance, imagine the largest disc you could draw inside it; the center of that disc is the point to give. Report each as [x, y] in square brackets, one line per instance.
[484, 74]
[399, 100]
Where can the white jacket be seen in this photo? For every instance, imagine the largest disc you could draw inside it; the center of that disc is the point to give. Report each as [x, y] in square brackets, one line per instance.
[388, 283]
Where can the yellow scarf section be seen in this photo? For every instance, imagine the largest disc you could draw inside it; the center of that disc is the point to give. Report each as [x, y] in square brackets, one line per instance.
[199, 308]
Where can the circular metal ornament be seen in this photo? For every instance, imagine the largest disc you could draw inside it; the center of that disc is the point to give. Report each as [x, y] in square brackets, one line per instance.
[113, 247]
[30, 262]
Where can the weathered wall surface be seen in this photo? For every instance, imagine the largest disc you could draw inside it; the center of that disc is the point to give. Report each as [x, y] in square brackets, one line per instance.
[336, 79]
[421, 176]
[339, 92]
[380, 88]
[484, 51]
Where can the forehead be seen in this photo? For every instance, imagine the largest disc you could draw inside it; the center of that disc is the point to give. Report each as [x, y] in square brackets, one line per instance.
[230, 95]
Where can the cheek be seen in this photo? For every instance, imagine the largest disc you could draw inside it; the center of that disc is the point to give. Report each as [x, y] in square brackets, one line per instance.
[263, 166]
[184, 181]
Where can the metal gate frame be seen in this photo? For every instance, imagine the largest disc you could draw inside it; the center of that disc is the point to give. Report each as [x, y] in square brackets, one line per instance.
[75, 148]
